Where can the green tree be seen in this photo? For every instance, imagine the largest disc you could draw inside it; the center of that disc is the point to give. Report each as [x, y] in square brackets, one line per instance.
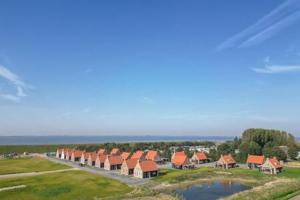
[293, 152]
[279, 153]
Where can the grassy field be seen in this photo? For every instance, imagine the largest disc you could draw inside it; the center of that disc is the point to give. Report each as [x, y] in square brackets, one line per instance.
[62, 186]
[31, 148]
[31, 164]
[177, 176]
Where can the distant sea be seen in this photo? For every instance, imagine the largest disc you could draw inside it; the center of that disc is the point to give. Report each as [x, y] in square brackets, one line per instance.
[31, 140]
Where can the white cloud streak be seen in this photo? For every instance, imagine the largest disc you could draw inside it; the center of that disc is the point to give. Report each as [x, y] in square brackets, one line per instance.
[281, 17]
[15, 81]
[275, 69]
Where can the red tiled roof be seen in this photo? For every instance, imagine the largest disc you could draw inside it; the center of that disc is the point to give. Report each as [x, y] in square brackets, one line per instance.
[148, 166]
[115, 160]
[77, 153]
[86, 154]
[131, 163]
[114, 151]
[151, 155]
[179, 158]
[93, 156]
[229, 159]
[259, 160]
[125, 155]
[137, 154]
[101, 158]
[101, 151]
[200, 155]
[275, 163]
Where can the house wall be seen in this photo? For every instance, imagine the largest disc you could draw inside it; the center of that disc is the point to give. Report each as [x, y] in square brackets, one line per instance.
[82, 160]
[124, 169]
[106, 164]
[137, 172]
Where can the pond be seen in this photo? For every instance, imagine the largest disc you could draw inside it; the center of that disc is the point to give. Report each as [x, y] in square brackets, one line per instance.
[215, 190]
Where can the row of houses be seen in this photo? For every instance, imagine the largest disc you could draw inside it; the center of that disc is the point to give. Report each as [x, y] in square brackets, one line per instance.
[139, 164]
[266, 165]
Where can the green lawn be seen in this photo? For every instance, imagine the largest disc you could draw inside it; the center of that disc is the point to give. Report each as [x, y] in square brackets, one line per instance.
[175, 175]
[63, 186]
[33, 164]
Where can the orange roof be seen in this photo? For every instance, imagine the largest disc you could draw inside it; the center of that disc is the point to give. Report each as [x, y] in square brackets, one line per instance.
[137, 154]
[77, 153]
[101, 158]
[86, 154]
[114, 151]
[275, 163]
[151, 155]
[59, 151]
[200, 155]
[131, 163]
[125, 155]
[255, 159]
[179, 158]
[93, 156]
[228, 159]
[101, 151]
[115, 160]
[148, 166]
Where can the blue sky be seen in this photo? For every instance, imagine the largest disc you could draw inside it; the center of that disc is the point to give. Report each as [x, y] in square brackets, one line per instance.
[149, 67]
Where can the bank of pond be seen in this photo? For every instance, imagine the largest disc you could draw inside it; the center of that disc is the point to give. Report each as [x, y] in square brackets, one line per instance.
[211, 191]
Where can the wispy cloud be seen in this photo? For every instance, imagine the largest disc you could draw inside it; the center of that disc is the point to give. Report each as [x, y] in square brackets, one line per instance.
[16, 82]
[281, 17]
[145, 100]
[273, 69]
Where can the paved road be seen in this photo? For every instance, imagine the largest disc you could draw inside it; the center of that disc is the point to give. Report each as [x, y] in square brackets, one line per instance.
[33, 173]
[129, 180]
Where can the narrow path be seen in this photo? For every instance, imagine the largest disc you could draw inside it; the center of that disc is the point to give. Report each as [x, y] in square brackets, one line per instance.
[12, 187]
[33, 173]
[129, 180]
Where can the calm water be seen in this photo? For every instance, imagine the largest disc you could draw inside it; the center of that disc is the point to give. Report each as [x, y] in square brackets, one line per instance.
[26, 140]
[212, 191]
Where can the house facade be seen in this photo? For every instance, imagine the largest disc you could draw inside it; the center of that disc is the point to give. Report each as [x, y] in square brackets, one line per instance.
[92, 159]
[199, 157]
[58, 153]
[255, 162]
[180, 160]
[113, 162]
[100, 160]
[226, 162]
[84, 158]
[145, 169]
[76, 155]
[271, 166]
[128, 166]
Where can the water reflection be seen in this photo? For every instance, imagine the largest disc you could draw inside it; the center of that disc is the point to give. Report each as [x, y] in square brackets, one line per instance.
[212, 191]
